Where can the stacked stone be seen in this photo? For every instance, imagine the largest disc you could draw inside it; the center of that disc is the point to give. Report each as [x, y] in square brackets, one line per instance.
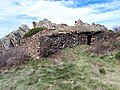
[31, 45]
[44, 44]
[50, 44]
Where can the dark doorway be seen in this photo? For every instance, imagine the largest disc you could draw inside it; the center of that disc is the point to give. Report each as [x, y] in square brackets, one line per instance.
[89, 39]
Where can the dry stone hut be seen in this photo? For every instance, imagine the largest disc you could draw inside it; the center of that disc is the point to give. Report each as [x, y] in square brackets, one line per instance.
[60, 36]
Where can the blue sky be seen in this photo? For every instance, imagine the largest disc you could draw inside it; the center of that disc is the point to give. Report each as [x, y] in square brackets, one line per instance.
[13, 13]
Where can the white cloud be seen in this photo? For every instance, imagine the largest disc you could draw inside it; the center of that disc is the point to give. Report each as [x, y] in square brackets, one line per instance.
[58, 12]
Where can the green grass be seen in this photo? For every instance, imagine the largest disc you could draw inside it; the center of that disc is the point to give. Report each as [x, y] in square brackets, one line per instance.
[77, 70]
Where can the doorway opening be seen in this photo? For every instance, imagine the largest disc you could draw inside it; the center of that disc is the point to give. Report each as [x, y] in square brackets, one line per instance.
[89, 39]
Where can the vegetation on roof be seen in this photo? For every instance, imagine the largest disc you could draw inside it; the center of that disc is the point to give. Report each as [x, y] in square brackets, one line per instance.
[33, 31]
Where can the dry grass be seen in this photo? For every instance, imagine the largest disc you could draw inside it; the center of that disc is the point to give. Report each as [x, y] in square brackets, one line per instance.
[103, 47]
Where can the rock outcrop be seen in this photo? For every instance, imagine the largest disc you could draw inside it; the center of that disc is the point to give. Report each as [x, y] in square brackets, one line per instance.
[93, 27]
[79, 23]
[13, 39]
[46, 23]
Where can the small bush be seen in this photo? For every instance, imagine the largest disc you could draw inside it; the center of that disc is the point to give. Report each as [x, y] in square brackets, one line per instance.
[117, 56]
[33, 31]
[111, 30]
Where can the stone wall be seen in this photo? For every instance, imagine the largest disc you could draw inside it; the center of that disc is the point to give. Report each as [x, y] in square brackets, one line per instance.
[50, 44]
[31, 45]
[43, 45]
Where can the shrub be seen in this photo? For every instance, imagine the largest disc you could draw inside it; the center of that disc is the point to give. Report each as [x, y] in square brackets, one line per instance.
[117, 56]
[111, 30]
[33, 31]
[12, 57]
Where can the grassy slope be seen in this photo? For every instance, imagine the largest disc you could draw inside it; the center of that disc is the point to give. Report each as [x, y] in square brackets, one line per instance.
[77, 71]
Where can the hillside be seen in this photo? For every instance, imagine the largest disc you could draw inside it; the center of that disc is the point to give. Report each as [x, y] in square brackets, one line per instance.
[69, 69]
[60, 57]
